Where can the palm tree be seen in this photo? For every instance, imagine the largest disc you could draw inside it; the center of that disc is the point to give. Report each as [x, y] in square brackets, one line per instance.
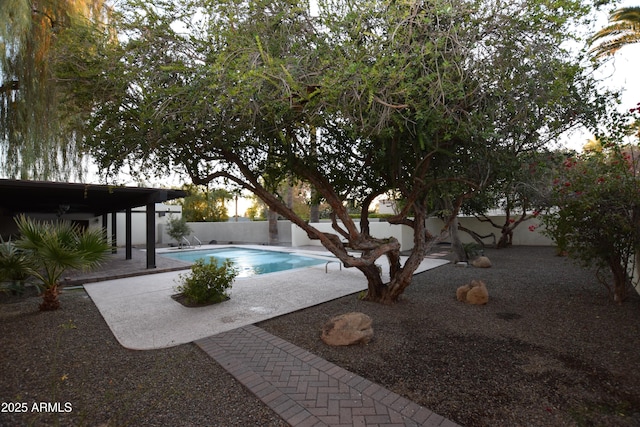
[54, 247]
[623, 29]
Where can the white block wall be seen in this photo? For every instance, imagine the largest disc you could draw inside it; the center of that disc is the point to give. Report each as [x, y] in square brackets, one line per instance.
[404, 234]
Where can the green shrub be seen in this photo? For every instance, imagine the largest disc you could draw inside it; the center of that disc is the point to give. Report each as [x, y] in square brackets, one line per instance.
[208, 282]
[597, 199]
[473, 250]
[177, 228]
[14, 268]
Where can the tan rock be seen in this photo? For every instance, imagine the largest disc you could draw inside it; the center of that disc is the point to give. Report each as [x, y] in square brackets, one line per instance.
[473, 293]
[348, 329]
[478, 294]
[461, 292]
[481, 262]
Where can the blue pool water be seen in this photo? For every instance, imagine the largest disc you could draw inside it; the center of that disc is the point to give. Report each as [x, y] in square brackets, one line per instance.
[249, 262]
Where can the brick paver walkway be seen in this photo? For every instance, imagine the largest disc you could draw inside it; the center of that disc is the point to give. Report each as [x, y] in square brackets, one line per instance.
[306, 390]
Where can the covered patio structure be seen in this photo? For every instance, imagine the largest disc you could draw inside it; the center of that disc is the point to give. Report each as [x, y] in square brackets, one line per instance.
[76, 200]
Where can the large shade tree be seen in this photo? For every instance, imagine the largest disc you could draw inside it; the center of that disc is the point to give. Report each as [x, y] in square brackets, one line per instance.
[416, 98]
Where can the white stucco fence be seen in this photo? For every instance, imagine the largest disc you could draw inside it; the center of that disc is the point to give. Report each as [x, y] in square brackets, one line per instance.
[257, 232]
[521, 236]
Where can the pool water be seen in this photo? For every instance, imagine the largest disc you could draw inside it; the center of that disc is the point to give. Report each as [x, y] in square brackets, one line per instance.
[249, 262]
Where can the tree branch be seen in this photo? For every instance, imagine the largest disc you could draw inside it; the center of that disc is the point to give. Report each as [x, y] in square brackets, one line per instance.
[10, 85]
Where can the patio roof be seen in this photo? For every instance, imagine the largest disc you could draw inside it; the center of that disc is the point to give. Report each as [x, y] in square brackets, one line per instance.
[61, 199]
[71, 198]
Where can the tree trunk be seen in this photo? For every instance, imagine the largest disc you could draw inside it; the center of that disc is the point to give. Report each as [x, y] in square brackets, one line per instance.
[505, 237]
[456, 244]
[376, 289]
[401, 275]
[477, 237]
[396, 287]
[384, 293]
[620, 288]
[314, 215]
[372, 248]
[272, 216]
[290, 196]
[394, 263]
[50, 299]
[636, 274]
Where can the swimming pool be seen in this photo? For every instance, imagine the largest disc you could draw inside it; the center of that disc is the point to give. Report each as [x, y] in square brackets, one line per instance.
[249, 262]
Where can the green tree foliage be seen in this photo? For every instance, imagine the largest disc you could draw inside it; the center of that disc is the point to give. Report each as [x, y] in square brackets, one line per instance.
[522, 190]
[418, 98]
[40, 136]
[596, 214]
[256, 211]
[298, 196]
[14, 267]
[202, 205]
[178, 229]
[623, 30]
[54, 247]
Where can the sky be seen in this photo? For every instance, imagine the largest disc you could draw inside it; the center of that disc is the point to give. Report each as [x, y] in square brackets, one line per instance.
[621, 72]
[624, 70]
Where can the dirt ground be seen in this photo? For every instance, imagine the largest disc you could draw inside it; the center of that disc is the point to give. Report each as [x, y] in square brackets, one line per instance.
[549, 349]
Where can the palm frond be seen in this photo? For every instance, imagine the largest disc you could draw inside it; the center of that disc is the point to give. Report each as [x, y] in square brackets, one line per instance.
[14, 263]
[623, 30]
[93, 248]
[631, 14]
[610, 47]
[58, 246]
[613, 30]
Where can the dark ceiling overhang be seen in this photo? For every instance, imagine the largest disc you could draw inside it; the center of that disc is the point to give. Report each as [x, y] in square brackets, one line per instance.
[17, 196]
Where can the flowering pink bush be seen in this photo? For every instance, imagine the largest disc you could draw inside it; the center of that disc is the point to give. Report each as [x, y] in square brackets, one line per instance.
[596, 214]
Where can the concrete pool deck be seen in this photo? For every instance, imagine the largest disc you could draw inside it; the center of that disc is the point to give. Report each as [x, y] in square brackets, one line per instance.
[142, 315]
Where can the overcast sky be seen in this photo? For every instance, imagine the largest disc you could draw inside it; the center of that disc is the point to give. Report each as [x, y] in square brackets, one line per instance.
[621, 72]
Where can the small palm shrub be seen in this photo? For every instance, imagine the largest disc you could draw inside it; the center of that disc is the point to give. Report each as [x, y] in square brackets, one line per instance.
[14, 267]
[209, 282]
[52, 248]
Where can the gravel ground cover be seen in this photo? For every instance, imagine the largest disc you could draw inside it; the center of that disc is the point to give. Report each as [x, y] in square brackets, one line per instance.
[549, 349]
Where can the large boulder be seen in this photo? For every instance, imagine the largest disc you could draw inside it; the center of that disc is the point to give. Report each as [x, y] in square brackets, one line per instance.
[474, 293]
[347, 329]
